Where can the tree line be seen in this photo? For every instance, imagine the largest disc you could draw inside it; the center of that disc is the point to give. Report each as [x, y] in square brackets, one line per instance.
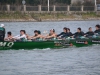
[36, 2]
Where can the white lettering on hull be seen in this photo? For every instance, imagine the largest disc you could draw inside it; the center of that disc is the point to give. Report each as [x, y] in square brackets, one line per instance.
[80, 42]
[6, 44]
[96, 41]
[3, 44]
[10, 44]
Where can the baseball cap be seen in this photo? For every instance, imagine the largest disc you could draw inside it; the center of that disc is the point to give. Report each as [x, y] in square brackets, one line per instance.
[2, 25]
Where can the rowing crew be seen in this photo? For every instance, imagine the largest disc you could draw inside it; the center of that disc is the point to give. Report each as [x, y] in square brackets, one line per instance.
[66, 33]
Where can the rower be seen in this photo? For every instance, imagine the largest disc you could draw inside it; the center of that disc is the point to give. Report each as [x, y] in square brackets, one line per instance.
[79, 33]
[9, 37]
[37, 35]
[2, 32]
[62, 34]
[97, 31]
[39, 32]
[68, 34]
[90, 33]
[27, 36]
[21, 37]
[51, 35]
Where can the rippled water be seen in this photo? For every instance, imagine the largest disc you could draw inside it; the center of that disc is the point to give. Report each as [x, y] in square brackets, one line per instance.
[68, 61]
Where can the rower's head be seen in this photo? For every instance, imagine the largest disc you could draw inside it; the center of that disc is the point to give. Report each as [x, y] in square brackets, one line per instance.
[9, 34]
[36, 32]
[52, 31]
[22, 32]
[68, 30]
[78, 29]
[39, 32]
[90, 29]
[97, 26]
[65, 29]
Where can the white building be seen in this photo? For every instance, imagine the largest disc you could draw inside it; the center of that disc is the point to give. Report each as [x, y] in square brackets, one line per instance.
[75, 1]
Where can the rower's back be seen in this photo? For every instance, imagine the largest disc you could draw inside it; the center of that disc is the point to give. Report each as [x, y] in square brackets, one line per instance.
[2, 33]
[97, 29]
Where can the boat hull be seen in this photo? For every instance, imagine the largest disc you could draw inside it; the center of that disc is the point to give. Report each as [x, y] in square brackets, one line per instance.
[48, 44]
[29, 45]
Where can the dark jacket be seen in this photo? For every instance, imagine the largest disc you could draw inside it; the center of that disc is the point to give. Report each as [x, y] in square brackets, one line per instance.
[89, 33]
[67, 35]
[2, 33]
[97, 31]
[78, 34]
[61, 34]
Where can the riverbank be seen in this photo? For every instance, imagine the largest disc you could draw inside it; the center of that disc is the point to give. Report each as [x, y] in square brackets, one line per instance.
[34, 17]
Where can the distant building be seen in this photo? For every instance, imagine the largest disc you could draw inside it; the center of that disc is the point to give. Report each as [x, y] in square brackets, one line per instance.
[75, 1]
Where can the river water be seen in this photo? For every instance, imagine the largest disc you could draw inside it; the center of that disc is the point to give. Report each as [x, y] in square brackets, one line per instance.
[68, 61]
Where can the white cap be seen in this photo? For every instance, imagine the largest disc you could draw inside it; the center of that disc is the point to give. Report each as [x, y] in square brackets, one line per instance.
[2, 25]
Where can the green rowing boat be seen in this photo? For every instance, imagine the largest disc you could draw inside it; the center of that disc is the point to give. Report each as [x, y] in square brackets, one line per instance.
[49, 44]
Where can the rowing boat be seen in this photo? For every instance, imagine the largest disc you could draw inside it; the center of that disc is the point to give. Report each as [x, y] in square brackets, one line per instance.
[49, 44]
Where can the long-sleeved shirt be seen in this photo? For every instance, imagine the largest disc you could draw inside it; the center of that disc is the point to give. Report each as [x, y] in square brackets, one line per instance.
[20, 36]
[89, 33]
[61, 34]
[78, 34]
[97, 31]
[68, 34]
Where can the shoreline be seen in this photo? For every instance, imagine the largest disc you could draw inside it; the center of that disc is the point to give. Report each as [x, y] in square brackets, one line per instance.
[47, 20]
[45, 17]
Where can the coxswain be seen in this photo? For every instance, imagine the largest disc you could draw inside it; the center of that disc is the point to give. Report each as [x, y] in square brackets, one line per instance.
[2, 32]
